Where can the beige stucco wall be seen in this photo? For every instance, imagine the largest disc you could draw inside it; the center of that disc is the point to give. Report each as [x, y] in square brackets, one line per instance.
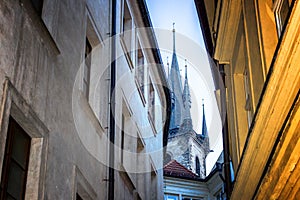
[272, 64]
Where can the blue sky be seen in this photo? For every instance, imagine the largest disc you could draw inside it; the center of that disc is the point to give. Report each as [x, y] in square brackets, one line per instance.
[190, 46]
[182, 12]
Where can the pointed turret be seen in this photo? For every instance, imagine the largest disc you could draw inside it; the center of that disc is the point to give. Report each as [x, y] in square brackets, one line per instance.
[186, 96]
[204, 135]
[176, 93]
[204, 127]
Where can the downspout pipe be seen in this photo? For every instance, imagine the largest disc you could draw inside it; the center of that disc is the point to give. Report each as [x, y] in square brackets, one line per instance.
[111, 171]
[227, 173]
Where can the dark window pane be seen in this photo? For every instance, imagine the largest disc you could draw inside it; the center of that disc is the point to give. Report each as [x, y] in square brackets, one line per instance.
[15, 181]
[283, 13]
[78, 197]
[20, 147]
[15, 162]
[38, 5]
[88, 47]
[8, 197]
[122, 138]
[87, 68]
[197, 166]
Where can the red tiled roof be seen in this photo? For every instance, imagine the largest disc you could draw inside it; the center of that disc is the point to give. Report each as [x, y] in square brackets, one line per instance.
[173, 168]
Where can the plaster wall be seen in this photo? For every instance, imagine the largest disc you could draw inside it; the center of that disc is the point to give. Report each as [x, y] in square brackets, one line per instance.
[40, 60]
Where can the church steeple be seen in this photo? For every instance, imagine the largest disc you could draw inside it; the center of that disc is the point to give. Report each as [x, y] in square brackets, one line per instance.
[176, 87]
[186, 146]
[187, 119]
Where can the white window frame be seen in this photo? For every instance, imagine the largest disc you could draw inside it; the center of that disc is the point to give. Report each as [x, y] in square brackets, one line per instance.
[141, 86]
[128, 46]
[151, 106]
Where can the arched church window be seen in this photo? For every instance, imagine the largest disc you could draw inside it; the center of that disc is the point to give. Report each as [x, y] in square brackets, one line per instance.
[197, 166]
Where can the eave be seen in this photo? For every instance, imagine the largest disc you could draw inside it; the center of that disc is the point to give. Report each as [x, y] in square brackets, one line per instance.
[227, 31]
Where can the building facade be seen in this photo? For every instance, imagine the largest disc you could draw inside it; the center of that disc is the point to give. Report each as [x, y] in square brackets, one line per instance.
[256, 45]
[83, 101]
[184, 144]
[182, 184]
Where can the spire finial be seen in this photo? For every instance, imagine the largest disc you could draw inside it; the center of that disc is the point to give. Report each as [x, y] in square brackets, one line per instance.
[168, 66]
[185, 69]
[174, 37]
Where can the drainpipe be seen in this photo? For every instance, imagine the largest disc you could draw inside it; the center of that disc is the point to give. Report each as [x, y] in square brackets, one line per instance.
[111, 172]
[228, 186]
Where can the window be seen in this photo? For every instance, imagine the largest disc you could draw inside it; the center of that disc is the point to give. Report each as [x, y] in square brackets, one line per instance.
[140, 71]
[78, 197]
[83, 189]
[171, 197]
[140, 143]
[153, 186]
[125, 137]
[122, 138]
[141, 165]
[87, 68]
[197, 166]
[190, 198]
[127, 33]
[91, 42]
[151, 102]
[15, 163]
[38, 6]
[248, 106]
[281, 10]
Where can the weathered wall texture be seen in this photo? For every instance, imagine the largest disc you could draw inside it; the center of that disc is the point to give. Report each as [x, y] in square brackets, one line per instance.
[40, 58]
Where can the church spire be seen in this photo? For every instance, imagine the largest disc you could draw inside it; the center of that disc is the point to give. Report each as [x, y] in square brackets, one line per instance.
[174, 49]
[176, 87]
[186, 96]
[204, 127]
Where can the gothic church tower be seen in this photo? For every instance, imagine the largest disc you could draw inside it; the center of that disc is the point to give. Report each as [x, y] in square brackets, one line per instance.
[184, 144]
